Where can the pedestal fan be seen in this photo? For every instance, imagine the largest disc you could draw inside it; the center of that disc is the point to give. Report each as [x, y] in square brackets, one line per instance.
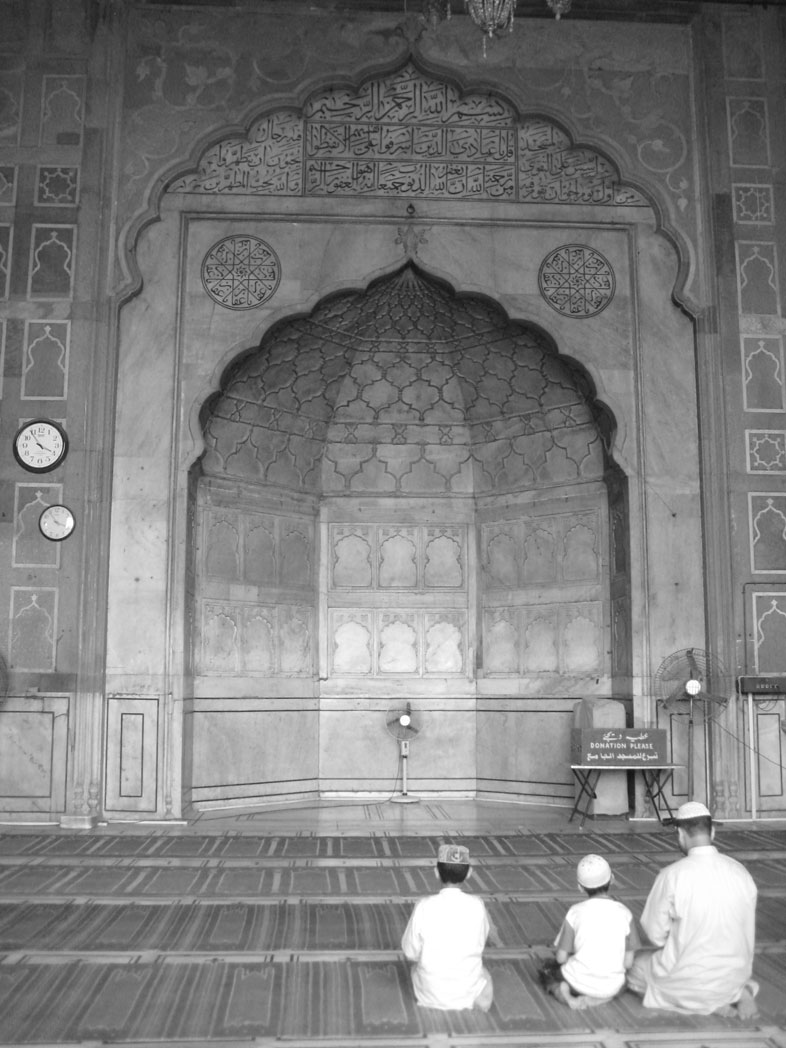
[404, 725]
[692, 683]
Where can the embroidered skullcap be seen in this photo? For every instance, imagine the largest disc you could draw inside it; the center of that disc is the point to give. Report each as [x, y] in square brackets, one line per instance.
[453, 853]
[593, 871]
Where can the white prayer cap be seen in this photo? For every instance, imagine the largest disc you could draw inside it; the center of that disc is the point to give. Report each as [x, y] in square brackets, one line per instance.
[691, 810]
[593, 872]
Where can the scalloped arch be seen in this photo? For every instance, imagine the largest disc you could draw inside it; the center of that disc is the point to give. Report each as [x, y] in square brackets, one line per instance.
[404, 134]
[409, 388]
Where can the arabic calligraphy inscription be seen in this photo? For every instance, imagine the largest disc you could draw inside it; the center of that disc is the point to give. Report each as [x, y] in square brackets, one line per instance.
[408, 135]
[577, 281]
[241, 272]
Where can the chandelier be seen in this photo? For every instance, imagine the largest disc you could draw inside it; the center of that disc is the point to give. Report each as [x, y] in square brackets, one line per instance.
[492, 17]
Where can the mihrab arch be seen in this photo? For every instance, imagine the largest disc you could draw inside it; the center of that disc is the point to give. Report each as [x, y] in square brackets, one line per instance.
[398, 396]
[421, 474]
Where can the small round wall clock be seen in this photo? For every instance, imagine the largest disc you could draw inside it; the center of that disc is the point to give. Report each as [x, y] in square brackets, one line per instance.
[56, 523]
[40, 445]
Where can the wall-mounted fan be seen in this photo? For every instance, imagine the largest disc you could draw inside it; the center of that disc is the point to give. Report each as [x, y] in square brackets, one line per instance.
[694, 684]
[404, 725]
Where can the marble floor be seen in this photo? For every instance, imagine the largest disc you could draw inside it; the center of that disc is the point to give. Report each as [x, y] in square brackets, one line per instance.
[419, 817]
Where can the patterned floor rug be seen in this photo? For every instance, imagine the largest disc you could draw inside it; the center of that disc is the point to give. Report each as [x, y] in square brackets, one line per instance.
[173, 940]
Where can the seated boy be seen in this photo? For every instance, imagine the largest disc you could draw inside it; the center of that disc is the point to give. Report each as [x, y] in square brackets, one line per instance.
[595, 944]
[445, 938]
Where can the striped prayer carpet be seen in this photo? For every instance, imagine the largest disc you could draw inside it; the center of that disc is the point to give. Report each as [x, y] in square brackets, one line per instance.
[167, 939]
[162, 845]
[290, 927]
[186, 1000]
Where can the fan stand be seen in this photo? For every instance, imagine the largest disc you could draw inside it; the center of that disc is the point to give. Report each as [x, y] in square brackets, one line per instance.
[690, 748]
[404, 797]
[691, 699]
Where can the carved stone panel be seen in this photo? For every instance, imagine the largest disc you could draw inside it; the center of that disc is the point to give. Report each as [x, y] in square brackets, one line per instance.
[757, 277]
[543, 593]
[11, 109]
[393, 570]
[523, 640]
[8, 178]
[767, 627]
[45, 367]
[57, 186]
[255, 588]
[52, 262]
[766, 450]
[34, 627]
[401, 642]
[543, 549]
[30, 548]
[407, 134]
[749, 139]
[389, 557]
[767, 514]
[62, 110]
[763, 372]
[238, 638]
[257, 549]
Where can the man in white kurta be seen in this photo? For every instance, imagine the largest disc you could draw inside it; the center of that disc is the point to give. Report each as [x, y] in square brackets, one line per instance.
[700, 914]
[445, 938]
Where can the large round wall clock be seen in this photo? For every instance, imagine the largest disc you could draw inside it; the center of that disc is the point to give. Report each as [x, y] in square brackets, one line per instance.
[40, 445]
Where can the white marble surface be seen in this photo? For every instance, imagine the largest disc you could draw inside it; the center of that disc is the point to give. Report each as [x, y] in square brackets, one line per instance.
[638, 352]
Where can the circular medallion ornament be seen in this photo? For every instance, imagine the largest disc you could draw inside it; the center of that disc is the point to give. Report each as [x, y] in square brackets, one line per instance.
[576, 280]
[241, 272]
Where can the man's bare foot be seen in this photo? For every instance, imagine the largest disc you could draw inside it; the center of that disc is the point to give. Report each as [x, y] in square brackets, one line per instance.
[746, 1006]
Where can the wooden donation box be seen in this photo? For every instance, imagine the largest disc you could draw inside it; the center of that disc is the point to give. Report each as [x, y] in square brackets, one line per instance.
[619, 747]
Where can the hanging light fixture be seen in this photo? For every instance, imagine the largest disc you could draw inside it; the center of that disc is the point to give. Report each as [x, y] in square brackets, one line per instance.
[492, 16]
[559, 7]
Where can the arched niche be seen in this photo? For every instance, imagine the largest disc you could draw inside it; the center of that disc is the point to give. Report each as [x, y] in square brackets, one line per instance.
[459, 466]
[341, 242]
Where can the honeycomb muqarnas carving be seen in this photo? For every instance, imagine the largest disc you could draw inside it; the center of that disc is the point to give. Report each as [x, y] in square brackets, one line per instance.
[404, 389]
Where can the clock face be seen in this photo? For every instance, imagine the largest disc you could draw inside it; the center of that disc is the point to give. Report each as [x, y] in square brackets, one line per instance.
[40, 445]
[56, 523]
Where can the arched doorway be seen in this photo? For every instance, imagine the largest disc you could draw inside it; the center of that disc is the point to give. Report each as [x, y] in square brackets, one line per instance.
[407, 495]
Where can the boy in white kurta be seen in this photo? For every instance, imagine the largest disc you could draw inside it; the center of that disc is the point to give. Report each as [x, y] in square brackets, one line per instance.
[445, 937]
[596, 942]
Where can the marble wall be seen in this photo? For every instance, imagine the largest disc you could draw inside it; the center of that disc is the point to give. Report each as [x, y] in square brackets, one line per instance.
[446, 477]
[203, 216]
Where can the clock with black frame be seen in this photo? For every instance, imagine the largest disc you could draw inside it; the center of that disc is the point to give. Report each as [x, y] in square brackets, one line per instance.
[40, 445]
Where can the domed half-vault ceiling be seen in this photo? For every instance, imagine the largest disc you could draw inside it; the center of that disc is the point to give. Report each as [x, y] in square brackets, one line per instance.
[404, 389]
